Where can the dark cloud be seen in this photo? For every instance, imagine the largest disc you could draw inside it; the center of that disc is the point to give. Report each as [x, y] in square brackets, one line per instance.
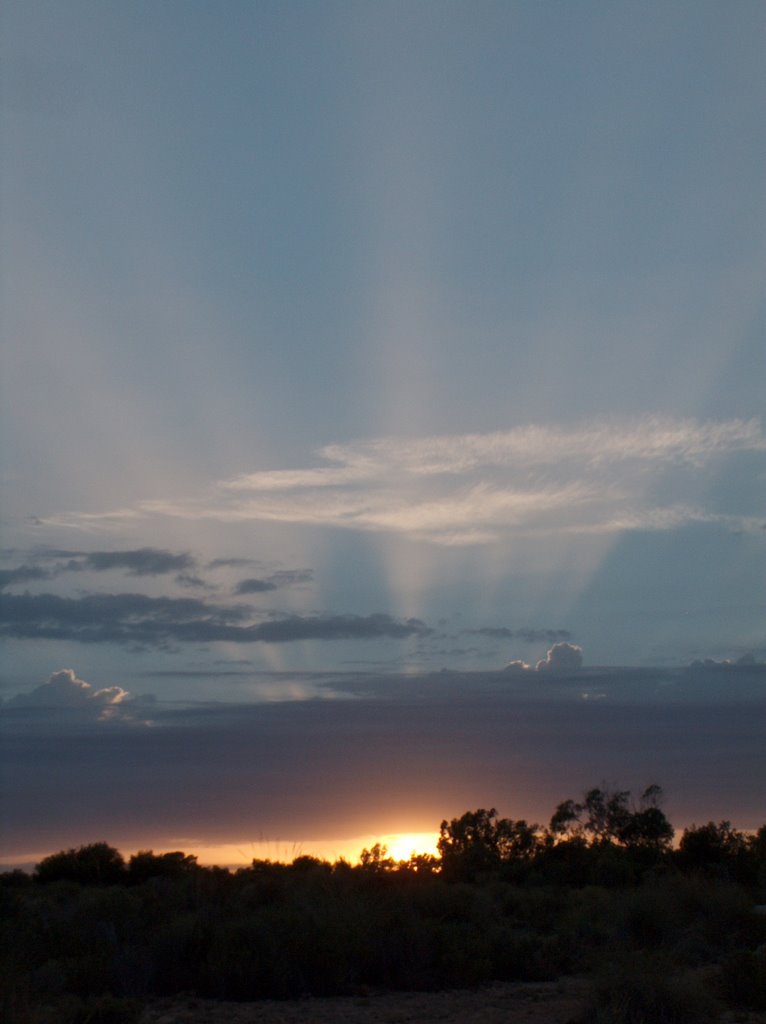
[282, 578]
[136, 562]
[65, 690]
[746, 661]
[338, 627]
[22, 574]
[139, 619]
[125, 618]
[562, 658]
[531, 636]
[416, 751]
[289, 577]
[192, 582]
[254, 586]
[232, 563]
[139, 562]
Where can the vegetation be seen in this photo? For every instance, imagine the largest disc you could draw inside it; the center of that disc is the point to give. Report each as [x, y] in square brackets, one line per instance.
[668, 934]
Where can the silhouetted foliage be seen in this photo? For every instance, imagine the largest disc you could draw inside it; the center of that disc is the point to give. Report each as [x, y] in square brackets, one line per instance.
[605, 817]
[480, 842]
[145, 864]
[94, 864]
[376, 859]
[88, 938]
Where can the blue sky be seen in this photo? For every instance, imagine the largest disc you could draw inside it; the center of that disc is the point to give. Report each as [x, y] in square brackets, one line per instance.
[399, 337]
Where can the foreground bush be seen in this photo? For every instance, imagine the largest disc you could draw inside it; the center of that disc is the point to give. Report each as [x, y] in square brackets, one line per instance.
[647, 989]
[90, 937]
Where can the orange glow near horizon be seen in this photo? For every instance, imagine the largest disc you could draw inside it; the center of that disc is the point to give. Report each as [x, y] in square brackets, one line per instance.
[400, 846]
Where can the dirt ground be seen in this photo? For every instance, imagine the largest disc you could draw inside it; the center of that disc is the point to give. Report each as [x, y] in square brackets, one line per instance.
[559, 1002]
[524, 1003]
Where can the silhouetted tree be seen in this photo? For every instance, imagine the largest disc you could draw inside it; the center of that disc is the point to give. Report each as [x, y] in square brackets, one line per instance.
[305, 863]
[479, 841]
[94, 864]
[713, 846]
[421, 864]
[647, 827]
[145, 864]
[469, 844]
[606, 818]
[376, 859]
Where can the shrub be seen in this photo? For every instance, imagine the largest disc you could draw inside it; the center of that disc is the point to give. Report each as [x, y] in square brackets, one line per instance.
[742, 979]
[647, 989]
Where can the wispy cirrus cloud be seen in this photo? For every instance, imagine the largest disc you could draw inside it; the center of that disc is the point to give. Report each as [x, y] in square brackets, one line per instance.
[600, 477]
[650, 439]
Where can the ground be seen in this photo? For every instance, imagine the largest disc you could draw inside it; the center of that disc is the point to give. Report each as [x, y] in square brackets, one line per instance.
[560, 1002]
[544, 1003]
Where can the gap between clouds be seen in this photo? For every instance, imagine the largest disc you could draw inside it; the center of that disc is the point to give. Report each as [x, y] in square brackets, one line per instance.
[478, 488]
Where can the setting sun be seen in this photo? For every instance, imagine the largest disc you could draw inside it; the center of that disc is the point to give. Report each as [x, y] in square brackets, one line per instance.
[401, 846]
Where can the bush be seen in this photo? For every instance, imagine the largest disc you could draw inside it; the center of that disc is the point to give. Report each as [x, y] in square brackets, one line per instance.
[647, 989]
[742, 979]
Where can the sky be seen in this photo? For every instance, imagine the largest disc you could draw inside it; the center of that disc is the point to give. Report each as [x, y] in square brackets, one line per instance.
[382, 396]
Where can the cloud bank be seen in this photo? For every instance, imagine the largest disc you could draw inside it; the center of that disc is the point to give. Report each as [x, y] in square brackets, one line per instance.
[403, 755]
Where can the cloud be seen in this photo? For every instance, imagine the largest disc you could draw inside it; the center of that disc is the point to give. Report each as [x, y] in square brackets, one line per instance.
[158, 621]
[746, 662]
[390, 761]
[338, 627]
[282, 578]
[138, 562]
[232, 563]
[517, 667]
[531, 636]
[65, 690]
[561, 658]
[289, 577]
[650, 439]
[192, 582]
[21, 574]
[592, 478]
[254, 586]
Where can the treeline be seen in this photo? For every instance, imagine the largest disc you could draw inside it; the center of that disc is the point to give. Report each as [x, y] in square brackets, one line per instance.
[90, 936]
[602, 839]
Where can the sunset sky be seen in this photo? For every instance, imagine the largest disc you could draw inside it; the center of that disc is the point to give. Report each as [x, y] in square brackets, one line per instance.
[382, 399]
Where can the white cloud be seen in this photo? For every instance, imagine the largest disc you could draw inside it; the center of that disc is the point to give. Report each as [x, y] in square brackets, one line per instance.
[561, 658]
[596, 478]
[649, 439]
